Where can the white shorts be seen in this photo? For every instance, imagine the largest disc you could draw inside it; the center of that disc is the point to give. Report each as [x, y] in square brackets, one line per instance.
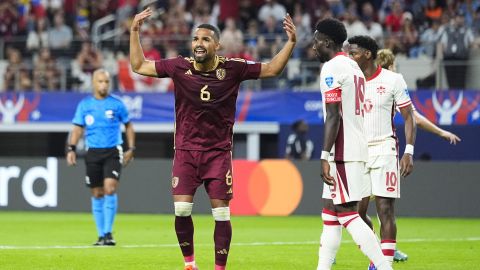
[382, 176]
[349, 182]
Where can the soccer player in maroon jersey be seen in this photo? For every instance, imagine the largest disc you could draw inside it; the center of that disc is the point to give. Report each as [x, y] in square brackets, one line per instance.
[206, 90]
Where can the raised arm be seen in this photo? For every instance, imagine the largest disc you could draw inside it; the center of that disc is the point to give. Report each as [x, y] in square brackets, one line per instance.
[278, 63]
[425, 124]
[137, 60]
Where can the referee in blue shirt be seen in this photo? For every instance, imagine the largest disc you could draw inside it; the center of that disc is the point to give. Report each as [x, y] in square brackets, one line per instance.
[101, 116]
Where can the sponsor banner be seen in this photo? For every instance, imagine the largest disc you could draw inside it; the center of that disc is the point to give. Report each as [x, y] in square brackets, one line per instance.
[272, 187]
[441, 107]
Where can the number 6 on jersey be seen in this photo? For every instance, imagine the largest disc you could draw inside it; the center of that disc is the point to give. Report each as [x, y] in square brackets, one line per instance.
[204, 94]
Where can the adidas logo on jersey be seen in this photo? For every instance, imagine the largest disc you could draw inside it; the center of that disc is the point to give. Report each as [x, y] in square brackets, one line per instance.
[188, 72]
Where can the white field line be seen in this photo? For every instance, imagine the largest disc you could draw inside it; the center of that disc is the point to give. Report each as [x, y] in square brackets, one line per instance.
[413, 240]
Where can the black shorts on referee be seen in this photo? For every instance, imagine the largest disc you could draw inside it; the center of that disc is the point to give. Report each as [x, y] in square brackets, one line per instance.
[103, 163]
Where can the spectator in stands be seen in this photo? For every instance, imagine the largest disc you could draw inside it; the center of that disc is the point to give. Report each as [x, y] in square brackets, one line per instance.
[299, 146]
[433, 11]
[38, 38]
[353, 25]
[303, 36]
[456, 42]
[247, 12]
[409, 35]
[468, 8]
[8, 19]
[251, 39]
[87, 60]
[393, 21]
[231, 38]
[17, 76]
[46, 75]
[373, 28]
[271, 8]
[271, 37]
[52, 7]
[60, 35]
[336, 7]
[429, 39]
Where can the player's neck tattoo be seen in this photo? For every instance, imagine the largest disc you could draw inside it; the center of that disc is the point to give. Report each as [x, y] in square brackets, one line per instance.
[204, 68]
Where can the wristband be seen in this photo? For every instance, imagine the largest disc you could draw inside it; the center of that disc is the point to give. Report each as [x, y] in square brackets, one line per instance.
[71, 148]
[409, 149]
[325, 155]
[132, 149]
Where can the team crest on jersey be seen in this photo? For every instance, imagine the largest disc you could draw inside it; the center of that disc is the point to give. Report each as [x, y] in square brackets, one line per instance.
[175, 181]
[329, 81]
[381, 90]
[367, 105]
[221, 73]
[89, 120]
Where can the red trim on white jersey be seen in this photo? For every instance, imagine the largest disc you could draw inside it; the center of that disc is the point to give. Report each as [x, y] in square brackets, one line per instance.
[377, 72]
[341, 53]
[404, 104]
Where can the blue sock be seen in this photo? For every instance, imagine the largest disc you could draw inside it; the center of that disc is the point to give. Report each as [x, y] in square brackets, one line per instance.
[109, 212]
[97, 211]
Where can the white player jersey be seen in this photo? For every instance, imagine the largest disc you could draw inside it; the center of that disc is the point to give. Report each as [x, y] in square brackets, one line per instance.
[385, 90]
[341, 80]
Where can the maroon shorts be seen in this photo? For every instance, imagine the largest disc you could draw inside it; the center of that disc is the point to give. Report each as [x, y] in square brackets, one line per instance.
[213, 168]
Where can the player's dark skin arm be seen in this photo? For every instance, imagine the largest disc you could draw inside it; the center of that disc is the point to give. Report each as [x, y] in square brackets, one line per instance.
[406, 163]
[137, 59]
[332, 125]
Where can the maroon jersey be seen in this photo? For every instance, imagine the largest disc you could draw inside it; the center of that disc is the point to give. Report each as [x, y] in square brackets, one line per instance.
[205, 102]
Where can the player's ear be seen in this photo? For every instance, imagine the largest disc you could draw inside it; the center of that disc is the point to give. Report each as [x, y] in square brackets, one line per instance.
[368, 54]
[217, 45]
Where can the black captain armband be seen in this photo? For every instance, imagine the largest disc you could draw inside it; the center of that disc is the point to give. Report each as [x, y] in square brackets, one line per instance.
[71, 148]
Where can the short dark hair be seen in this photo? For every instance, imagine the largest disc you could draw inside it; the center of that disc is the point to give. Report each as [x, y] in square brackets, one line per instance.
[334, 29]
[216, 31]
[365, 42]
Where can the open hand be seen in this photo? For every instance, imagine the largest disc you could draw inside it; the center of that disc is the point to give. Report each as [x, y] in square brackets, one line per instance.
[406, 165]
[325, 173]
[452, 138]
[140, 18]
[290, 28]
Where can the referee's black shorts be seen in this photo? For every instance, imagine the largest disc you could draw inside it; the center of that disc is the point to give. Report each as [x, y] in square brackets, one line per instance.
[103, 163]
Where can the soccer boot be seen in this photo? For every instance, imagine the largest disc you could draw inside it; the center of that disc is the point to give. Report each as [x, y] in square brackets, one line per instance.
[399, 256]
[109, 240]
[372, 266]
[190, 267]
[100, 241]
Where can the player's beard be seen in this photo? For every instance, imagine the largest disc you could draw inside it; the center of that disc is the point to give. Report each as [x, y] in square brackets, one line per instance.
[201, 59]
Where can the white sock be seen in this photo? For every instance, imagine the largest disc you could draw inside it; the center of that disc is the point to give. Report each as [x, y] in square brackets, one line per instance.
[388, 249]
[329, 240]
[364, 238]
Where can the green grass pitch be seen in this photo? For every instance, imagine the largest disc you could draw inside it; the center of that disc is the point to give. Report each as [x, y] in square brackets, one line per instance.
[45, 240]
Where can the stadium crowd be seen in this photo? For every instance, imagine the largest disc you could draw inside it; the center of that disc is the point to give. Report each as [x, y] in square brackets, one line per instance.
[54, 45]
